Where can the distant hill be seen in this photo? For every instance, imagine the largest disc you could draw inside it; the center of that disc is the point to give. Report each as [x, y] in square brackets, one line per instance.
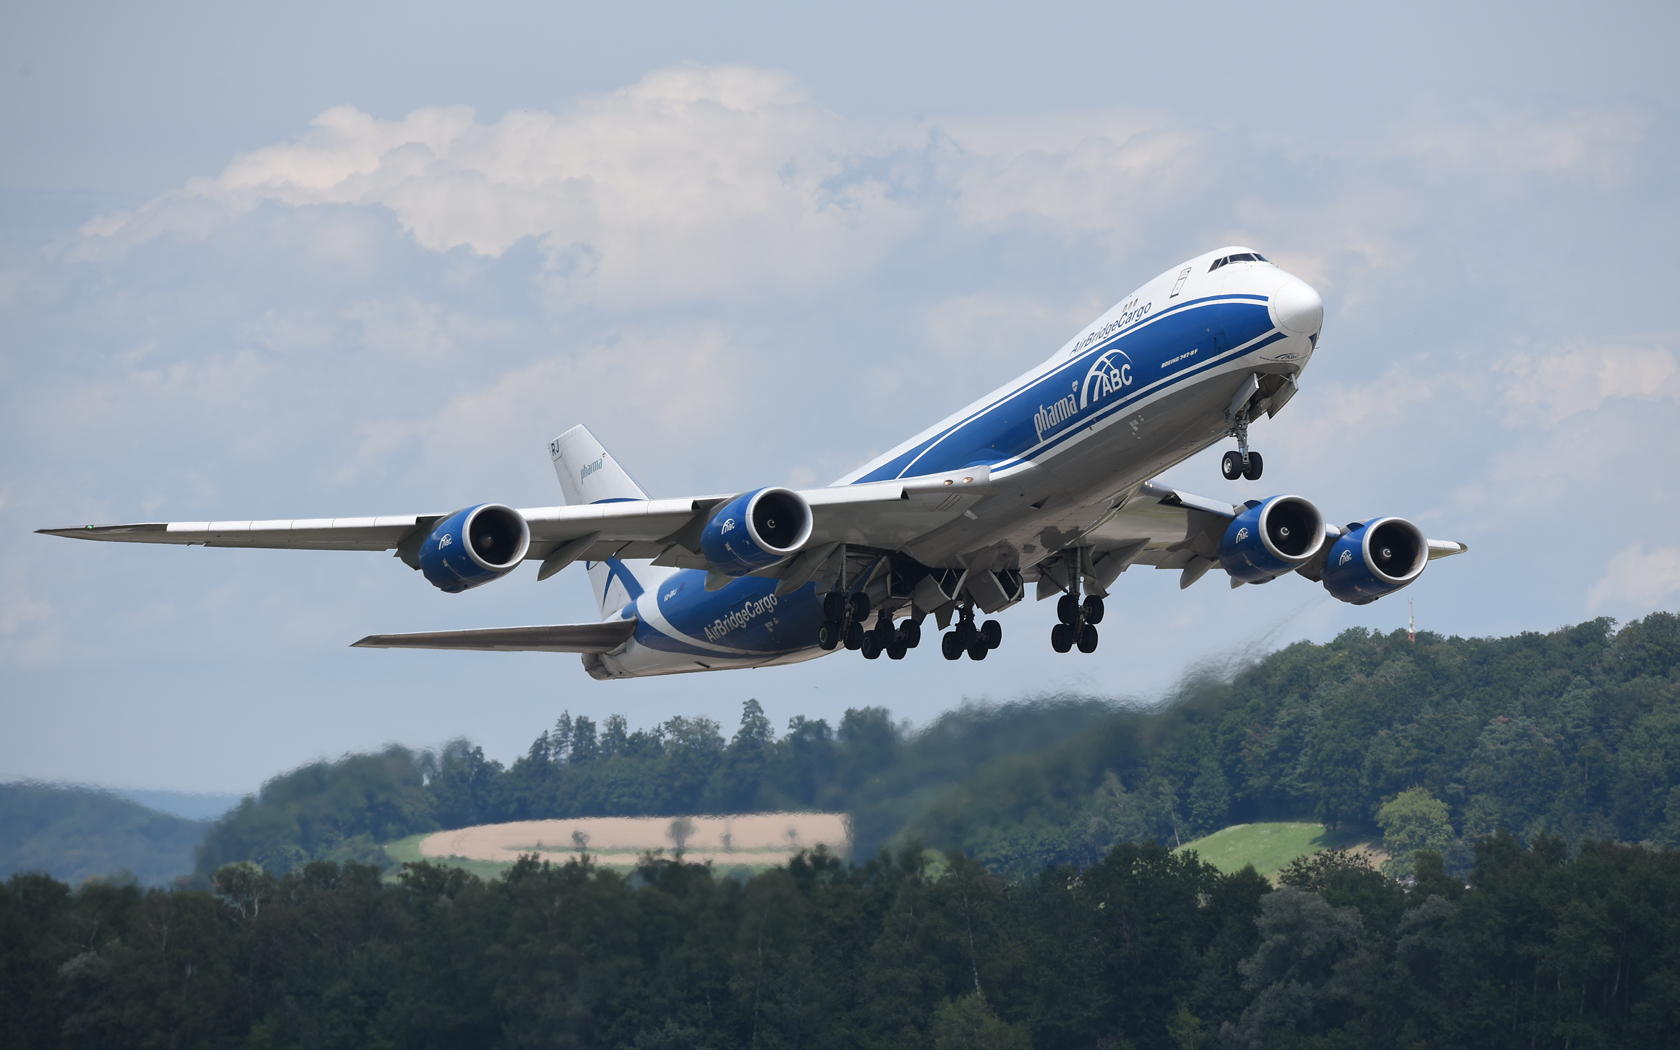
[74, 833]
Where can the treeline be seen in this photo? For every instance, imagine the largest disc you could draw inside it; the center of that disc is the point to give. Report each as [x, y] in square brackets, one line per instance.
[1145, 949]
[1574, 733]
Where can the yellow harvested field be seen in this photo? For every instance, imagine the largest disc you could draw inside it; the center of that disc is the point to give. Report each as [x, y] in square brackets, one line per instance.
[748, 838]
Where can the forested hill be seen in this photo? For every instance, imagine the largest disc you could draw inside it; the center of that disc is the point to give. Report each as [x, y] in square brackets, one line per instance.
[75, 833]
[1576, 732]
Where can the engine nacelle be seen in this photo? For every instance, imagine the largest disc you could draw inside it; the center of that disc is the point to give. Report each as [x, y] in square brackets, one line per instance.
[474, 546]
[756, 530]
[1374, 559]
[1271, 538]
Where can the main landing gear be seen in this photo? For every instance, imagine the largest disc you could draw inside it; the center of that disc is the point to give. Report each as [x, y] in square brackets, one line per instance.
[1079, 621]
[844, 626]
[1241, 463]
[968, 638]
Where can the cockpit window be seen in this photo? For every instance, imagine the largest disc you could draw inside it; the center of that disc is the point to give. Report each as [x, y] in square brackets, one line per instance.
[1239, 257]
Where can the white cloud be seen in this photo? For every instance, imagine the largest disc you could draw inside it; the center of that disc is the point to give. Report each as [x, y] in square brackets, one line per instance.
[1637, 579]
[1580, 380]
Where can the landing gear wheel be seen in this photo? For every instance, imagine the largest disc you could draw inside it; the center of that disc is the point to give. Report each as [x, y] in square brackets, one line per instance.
[991, 633]
[948, 645]
[854, 635]
[1067, 609]
[885, 631]
[1061, 638]
[1231, 466]
[871, 645]
[1088, 639]
[1255, 466]
[834, 605]
[896, 650]
[860, 606]
[828, 635]
[910, 635]
[1093, 609]
[978, 650]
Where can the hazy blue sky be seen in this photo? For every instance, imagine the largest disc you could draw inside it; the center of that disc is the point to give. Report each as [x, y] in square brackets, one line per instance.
[262, 261]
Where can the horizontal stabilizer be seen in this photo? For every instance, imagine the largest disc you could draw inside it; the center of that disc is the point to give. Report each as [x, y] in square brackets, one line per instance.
[558, 638]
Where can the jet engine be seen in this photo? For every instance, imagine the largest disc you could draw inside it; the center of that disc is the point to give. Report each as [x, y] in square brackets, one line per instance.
[474, 546]
[1376, 558]
[1270, 538]
[756, 530]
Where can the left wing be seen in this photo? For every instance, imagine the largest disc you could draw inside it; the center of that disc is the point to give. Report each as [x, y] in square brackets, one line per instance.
[881, 514]
[559, 638]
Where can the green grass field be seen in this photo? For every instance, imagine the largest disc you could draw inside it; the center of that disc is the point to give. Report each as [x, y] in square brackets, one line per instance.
[1266, 846]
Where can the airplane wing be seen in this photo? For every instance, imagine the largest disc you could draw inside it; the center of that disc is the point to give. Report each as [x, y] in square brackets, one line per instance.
[1170, 528]
[880, 514]
[559, 638]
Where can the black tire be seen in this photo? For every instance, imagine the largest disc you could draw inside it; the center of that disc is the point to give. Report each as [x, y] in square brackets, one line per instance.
[885, 630]
[1255, 466]
[1088, 639]
[828, 635]
[834, 605]
[854, 635]
[978, 650]
[1067, 609]
[860, 606]
[948, 646]
[911, 633]
[871, 646]
[1061, 638]
[991, 632]
[1231, 466]
[1093, 609]
[896, 651]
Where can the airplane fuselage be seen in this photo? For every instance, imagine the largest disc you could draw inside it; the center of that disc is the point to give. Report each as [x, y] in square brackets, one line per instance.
[1142, 388]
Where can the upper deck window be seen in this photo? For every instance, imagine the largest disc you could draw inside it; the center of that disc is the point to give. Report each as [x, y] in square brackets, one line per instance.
[1239, 257]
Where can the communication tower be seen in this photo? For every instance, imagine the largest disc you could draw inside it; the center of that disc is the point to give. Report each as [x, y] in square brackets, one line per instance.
[1411, 623]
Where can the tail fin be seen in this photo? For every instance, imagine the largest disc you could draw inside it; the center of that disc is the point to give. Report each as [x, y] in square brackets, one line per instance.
[588, 473]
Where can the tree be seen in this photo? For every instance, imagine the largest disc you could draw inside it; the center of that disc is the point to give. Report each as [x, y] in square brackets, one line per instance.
[969, 1023]
[1412, 820]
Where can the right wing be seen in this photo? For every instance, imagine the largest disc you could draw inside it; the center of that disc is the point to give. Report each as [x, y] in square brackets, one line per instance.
[559, 638]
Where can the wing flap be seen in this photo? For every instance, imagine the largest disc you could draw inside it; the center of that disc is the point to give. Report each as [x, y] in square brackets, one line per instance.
[556, 638]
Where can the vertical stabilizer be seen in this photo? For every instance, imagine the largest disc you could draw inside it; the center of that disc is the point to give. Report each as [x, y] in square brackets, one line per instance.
[588, 473]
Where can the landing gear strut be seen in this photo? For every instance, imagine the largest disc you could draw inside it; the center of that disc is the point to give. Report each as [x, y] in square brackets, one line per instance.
[1241, 463]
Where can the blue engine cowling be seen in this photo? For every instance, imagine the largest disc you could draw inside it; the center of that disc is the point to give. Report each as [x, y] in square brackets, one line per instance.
[756, 530]
[474, 546]
[1374, 559]
[1270, 538]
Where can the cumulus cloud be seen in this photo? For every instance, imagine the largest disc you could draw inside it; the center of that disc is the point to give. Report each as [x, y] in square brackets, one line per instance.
[1581, 379]
[1637, 579]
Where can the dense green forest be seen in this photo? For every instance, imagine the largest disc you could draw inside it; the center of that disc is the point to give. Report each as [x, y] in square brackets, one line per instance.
[1143, 949]
[76, 833]
[1575, 733]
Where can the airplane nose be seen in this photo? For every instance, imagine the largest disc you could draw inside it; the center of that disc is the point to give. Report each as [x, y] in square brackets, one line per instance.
[1297, 308]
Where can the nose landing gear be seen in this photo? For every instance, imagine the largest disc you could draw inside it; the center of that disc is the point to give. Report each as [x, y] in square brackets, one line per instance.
[1241, 463]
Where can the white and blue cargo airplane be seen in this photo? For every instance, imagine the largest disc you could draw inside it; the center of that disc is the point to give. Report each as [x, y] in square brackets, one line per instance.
[1048, 480]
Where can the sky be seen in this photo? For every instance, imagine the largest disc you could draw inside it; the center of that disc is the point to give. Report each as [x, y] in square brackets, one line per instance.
[275, 261]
